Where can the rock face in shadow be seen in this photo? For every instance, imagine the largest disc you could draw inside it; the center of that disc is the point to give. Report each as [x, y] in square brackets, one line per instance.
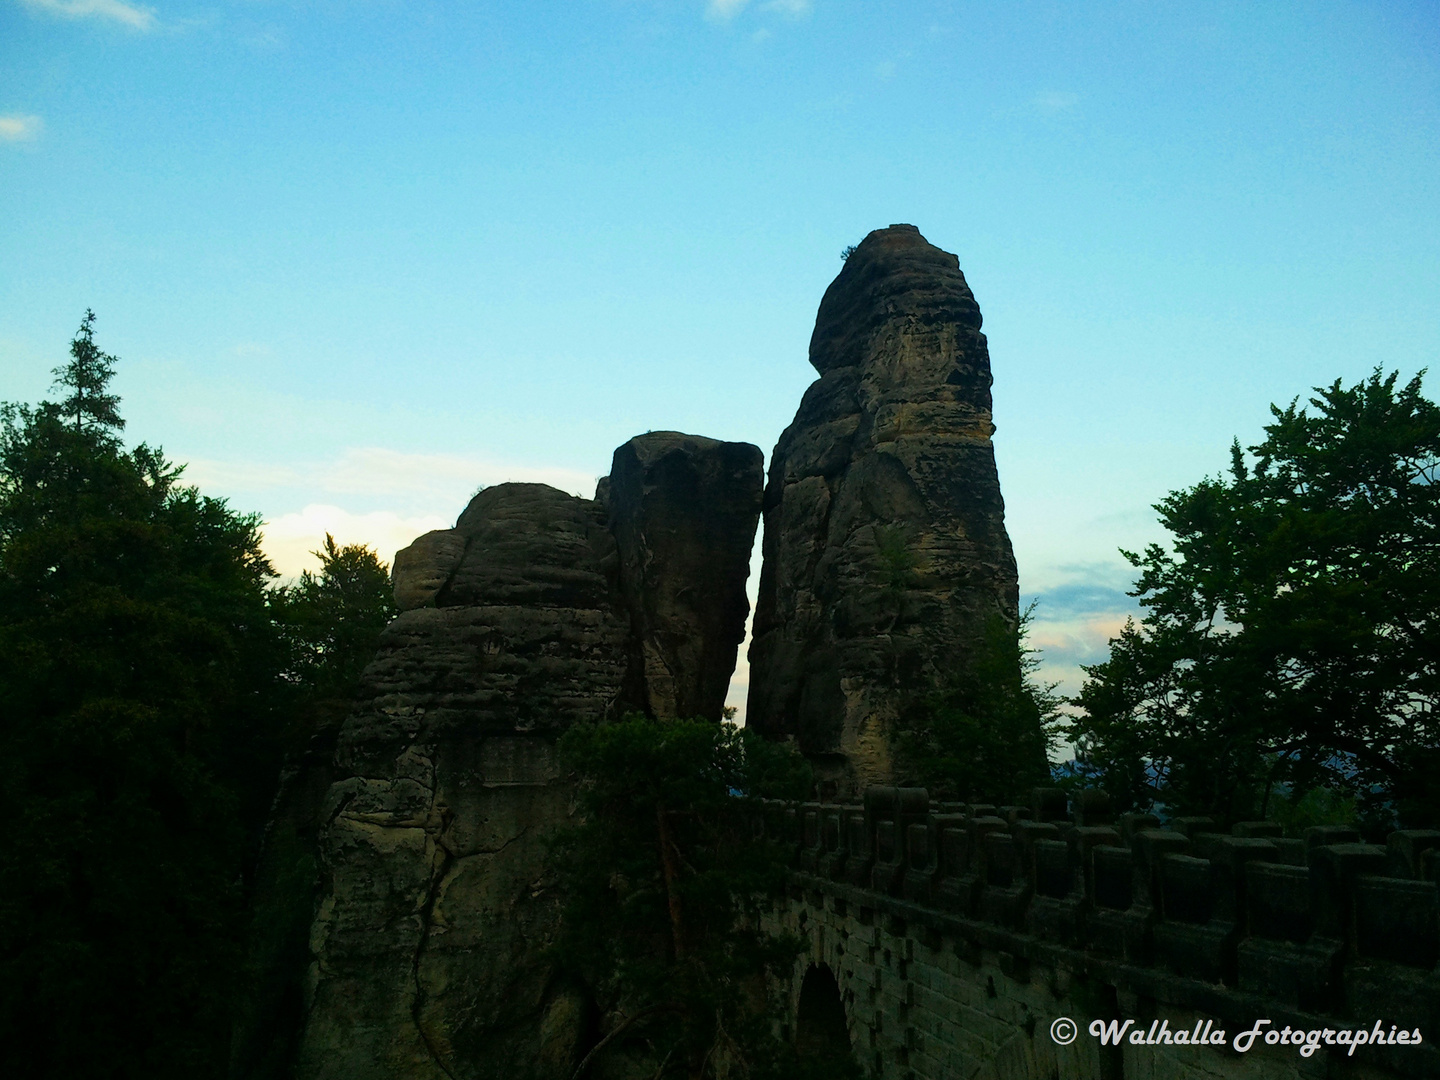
[683, 510]
[435, 909]
[885, 552]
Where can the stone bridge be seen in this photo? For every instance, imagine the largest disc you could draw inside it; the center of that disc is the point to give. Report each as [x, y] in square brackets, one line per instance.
[947, 939]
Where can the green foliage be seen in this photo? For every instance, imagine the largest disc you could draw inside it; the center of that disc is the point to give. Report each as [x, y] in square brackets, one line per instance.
[330, 623]
[332, 619]
[136, 665]
[149, 677]
[1298, 811]
[899, 561]
[666, 883]
[1293, 637]
[984, 737]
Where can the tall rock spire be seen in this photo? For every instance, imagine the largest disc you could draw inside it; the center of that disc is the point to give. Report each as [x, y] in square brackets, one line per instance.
[885, 552]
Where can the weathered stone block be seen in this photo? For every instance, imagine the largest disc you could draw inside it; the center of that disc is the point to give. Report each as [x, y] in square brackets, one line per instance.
[683, 511]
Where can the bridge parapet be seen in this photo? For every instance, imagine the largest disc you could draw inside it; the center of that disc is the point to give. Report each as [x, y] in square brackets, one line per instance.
[1233, 925]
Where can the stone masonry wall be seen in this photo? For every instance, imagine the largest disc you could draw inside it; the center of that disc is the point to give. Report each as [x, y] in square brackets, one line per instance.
[955, 949]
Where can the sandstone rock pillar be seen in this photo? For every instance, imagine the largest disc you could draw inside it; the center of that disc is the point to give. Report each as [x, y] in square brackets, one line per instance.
[435, 911]
[885, 552]
[537, 611]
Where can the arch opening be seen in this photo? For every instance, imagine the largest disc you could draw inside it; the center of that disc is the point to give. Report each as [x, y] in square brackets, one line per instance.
[822, 1033]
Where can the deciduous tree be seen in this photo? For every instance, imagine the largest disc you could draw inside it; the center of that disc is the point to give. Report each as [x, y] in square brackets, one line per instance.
[1292, 636]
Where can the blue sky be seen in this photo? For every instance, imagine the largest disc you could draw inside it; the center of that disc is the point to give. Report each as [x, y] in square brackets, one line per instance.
[358, 258]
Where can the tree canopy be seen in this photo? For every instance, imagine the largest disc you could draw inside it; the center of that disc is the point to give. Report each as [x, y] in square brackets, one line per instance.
[136, 658]
[1291, 640]
[331, 618]
[146, 681]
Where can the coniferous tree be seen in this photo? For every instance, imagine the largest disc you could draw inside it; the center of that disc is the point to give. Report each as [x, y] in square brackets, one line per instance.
[138, 670]
[985, 735]
[87, 376]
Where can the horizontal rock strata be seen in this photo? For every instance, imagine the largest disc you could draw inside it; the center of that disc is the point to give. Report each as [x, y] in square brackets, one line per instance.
[885, 551]
[527, 617]
[428, 942]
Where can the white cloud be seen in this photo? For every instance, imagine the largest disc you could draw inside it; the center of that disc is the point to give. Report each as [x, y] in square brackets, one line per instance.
[290, 539]
[226, 477]
[376, 470]
[132, 15]
[16, 128]
[725, 10]
[418, 492]
[415, 483]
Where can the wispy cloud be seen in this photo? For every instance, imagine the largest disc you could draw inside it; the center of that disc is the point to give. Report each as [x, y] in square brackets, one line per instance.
[16, 128]
[725, 9]
[132, 15]
[1084, 598]
[893, 64]
[380, 470]
[1054, 101]
[1079, 609]
[439, 483]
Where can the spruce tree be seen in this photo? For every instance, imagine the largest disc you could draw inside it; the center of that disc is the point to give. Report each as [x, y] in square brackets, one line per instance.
[138, 675]
[87, 376]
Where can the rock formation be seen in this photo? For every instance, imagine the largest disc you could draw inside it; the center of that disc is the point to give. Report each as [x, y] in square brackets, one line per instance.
[683, 510]
[538, 610]
[885, 552]
[885, 559]
[431, 925]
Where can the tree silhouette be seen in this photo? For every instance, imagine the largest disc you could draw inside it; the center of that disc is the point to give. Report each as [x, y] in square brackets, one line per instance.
[1292, 638]
[87, 376]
